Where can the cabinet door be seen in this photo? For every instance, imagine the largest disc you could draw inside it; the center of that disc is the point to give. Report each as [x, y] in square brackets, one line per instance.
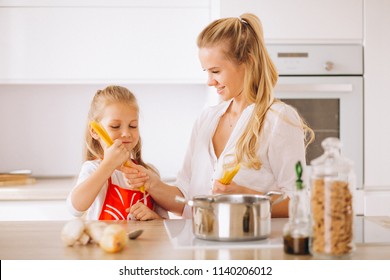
[132, 42]
[377, 94]
[34, 210]
[304, 20]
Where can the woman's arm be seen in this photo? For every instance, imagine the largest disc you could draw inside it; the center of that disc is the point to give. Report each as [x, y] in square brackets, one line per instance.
[163, 194]
[286, 149]
[280, 210]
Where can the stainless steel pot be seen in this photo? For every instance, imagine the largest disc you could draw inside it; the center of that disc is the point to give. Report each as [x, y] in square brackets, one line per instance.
[232, 217]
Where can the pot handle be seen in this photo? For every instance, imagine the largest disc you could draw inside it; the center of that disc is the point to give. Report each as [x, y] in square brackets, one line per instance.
[191, 203]
[184, 201]
[282, 196]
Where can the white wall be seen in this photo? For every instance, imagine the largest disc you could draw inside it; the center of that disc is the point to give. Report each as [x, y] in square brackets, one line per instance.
[42, 126]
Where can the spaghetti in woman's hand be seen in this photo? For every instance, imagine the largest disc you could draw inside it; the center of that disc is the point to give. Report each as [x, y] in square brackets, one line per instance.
[232, 188]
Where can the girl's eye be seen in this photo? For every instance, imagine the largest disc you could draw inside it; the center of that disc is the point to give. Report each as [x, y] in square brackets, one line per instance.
[215, 72]
[132, 126]
[114, 126]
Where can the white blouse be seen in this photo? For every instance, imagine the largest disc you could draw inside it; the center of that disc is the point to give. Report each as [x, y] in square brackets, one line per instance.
[281, 146]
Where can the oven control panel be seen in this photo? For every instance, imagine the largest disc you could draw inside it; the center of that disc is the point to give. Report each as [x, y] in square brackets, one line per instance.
[317, 59]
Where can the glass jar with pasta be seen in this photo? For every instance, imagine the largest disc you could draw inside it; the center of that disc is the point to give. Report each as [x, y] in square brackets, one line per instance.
[332, 184]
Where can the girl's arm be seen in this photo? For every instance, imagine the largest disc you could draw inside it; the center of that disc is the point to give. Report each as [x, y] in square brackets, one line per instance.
[86, 192]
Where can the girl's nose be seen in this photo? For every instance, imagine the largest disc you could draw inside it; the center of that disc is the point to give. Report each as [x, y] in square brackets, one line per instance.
[126, 132]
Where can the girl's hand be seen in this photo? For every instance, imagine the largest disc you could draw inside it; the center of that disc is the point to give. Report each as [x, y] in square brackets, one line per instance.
[231, 188]
[142, 213]
[116, 154]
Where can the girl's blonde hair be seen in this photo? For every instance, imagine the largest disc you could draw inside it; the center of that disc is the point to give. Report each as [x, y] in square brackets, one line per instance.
[111, 94]
[243, 42]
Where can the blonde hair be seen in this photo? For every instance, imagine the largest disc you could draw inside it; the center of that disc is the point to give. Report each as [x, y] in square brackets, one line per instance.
[111, 94]
[244, 44]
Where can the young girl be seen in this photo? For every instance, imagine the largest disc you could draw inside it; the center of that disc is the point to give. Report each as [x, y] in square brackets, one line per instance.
[101, 189]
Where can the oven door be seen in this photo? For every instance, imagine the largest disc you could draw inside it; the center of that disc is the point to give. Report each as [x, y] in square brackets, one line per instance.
[333, 107]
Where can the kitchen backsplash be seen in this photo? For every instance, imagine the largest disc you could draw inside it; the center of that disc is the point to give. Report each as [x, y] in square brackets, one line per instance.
[42, 126]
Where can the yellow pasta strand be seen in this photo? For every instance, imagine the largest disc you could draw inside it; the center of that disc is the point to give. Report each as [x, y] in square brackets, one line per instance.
[99, 129]
[228, 175]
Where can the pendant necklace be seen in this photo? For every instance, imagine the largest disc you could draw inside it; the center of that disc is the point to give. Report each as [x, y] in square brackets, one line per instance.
[230, 123]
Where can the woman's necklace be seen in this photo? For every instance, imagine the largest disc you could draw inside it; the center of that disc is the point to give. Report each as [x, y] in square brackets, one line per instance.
[229, 120]
[230, 123]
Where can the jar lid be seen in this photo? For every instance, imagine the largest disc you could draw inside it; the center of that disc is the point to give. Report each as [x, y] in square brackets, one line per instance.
[331, 162]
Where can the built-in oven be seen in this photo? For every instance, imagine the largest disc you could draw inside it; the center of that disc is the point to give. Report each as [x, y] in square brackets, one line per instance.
[325, 84]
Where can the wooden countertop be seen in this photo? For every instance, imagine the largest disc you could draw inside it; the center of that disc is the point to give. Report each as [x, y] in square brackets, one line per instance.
[40, 240]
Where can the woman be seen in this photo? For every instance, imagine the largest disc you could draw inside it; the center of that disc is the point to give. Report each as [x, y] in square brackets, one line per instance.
[266, 136]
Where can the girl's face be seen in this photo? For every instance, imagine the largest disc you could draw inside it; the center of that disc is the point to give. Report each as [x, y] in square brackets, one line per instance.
[223, 74]
[121, 122]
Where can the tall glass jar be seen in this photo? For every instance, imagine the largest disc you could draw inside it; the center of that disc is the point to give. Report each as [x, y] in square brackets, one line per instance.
[332, 183]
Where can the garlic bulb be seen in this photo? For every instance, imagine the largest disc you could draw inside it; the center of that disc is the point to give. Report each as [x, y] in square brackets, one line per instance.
[114, 238]
[95, 230]
[72, 231]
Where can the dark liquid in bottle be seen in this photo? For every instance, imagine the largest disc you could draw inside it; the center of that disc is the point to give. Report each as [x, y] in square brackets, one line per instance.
[296, 245]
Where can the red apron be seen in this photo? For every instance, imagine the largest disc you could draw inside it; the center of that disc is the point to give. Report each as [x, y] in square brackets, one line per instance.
[118, 200]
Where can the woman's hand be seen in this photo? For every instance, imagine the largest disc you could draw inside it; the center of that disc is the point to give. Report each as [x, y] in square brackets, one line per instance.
[279, 210]
[141, 212]
[135, 178]
[138, 176]
[116, 154]
[231, 188]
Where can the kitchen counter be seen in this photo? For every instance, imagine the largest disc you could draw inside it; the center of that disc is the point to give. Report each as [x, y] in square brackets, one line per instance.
[43, 200]
[42, 189]
[27, 240]
[46, 189]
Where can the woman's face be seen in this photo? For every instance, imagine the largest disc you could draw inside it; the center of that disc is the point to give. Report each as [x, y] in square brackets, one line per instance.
[223, 74]
[121, 122]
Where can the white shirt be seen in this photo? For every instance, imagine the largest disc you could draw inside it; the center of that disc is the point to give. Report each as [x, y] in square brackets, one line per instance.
[281, 146]
[94, 210]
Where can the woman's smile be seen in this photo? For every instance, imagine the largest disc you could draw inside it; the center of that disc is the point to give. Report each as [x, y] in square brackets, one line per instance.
[220, 90]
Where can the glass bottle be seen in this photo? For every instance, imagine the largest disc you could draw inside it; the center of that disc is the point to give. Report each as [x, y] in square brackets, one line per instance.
[296, 232]
[332, 182]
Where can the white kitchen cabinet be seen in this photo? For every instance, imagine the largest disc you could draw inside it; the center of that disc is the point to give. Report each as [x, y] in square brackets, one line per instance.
[304, 21]
[34, 210]
[101, 41]
[377, 94]
[43, 200]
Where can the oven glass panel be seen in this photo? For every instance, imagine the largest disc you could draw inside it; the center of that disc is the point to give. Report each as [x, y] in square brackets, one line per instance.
[323, 116]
